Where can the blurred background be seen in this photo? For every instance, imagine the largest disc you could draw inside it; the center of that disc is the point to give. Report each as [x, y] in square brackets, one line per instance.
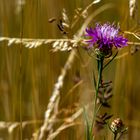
[28, 76]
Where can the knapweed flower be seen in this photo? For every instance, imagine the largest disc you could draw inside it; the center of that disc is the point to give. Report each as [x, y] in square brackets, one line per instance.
[104, 37]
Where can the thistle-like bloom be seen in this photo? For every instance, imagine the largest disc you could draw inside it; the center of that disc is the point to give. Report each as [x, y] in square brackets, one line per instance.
[105, 37]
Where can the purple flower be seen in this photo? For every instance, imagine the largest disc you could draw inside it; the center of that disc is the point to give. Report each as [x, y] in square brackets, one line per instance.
[105, 37]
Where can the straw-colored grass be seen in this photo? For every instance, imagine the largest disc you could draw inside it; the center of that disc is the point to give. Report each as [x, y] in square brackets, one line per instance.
[42, 96]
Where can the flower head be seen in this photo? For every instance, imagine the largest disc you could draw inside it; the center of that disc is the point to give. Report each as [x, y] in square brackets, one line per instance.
[105, 37]
[117, 125]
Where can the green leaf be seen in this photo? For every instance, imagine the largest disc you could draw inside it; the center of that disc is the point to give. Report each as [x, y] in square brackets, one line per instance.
[110, 60]
[87, 131]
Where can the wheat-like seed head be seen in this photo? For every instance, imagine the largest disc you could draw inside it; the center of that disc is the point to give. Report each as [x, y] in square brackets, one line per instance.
[132, 8]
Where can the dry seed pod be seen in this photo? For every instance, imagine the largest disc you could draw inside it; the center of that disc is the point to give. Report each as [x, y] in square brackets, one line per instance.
[55, 44]
[132, 8]
[65, 17]
[51, 20]
[62, 46]
[11, 41]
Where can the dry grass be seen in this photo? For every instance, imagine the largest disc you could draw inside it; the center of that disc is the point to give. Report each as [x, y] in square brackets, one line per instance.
[39, 68]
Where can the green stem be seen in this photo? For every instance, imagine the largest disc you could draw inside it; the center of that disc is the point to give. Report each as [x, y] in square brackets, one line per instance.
[100, 68]
[115, 136]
